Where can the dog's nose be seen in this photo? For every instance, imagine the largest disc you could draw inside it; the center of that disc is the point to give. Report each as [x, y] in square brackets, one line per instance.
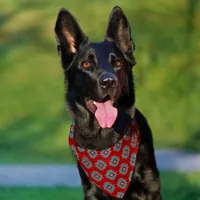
[108, 81]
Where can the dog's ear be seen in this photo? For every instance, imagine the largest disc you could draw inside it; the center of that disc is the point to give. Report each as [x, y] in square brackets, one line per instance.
[119, 31]
[69, 35]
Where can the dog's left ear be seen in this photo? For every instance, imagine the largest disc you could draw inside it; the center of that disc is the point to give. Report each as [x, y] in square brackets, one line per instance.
[119, 31]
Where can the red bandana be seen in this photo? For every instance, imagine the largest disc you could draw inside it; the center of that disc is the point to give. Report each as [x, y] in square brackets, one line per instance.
[111, 169]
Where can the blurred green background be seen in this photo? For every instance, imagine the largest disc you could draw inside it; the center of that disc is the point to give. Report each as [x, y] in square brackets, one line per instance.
[34, 123]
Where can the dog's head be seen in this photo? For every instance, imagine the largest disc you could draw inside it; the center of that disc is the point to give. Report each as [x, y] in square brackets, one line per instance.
[98, 75]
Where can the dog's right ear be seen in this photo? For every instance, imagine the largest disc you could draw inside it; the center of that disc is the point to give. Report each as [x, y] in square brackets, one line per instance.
[69, 36]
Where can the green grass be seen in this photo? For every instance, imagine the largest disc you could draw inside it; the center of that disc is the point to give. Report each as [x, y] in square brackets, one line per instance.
[180, 186]
[33, 121]
[40, 193]
[174, 186]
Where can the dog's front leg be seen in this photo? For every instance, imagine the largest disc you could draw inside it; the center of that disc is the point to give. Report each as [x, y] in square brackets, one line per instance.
[156, 196]
[89, 189]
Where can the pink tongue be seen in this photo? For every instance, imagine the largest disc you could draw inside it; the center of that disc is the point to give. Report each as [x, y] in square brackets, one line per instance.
[106, 114]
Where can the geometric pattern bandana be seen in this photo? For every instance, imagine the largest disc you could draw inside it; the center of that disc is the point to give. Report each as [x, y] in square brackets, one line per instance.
[111, 169]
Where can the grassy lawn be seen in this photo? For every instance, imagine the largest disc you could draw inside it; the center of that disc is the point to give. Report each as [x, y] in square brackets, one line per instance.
[40, 194]
[33, 121]
[174, 186]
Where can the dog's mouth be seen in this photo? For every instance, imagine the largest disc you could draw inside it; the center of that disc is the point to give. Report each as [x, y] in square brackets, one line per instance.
[92, 105]
[104, 111]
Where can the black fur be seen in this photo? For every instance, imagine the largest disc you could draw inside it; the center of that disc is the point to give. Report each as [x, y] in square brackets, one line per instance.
[84, 84]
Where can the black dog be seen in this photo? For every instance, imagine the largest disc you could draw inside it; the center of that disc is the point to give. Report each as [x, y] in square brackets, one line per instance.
[100, 97]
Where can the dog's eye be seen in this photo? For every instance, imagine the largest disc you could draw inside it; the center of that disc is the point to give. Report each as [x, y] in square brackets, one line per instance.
[85, 64]
[118, 64]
